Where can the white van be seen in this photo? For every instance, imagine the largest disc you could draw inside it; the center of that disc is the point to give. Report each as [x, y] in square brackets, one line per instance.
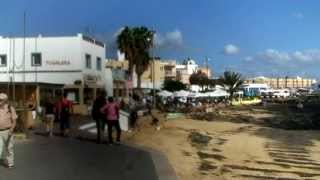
[281, 93]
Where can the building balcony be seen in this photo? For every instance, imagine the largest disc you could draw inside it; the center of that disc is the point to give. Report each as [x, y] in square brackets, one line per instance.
[118, 74]
[170, 75]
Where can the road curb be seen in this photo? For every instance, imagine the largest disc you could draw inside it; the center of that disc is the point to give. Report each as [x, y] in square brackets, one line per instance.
[20, 136]
[163, 167]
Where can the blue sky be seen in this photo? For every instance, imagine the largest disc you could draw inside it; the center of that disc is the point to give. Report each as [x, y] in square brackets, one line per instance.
[271, 38]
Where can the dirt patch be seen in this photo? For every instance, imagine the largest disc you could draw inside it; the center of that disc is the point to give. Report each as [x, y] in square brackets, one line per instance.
[204, 155]
[296, 162]
[207, 166]
[185, 153]
[266, 177]
[199, 139]
[264, 170]
[212, 116]
[216, 150]
[204, 149]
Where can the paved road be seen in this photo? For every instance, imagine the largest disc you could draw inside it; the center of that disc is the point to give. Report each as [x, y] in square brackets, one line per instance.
[41, 158]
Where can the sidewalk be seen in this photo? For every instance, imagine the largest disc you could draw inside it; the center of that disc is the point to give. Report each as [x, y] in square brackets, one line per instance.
[60, 158]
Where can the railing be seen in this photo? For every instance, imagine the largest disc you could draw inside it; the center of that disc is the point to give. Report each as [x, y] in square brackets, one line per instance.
[169, 74]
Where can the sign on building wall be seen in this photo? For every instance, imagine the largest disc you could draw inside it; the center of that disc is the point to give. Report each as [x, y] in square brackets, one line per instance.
[58, 62]
[91, 79]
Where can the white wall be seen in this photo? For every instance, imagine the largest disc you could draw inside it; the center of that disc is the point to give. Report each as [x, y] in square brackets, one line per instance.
[149, 85]
[70, 49]
[192, 68]
[95, 51]
[189, 68]
[109, 81]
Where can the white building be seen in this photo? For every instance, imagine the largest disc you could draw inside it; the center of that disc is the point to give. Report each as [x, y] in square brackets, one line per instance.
[185, 70]
[254, 89]
[50, 64]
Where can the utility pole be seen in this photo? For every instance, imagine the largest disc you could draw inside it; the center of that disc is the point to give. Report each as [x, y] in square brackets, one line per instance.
[8, 70]
[24, 108]
[153, 71]
[13, 73]
[207, 66]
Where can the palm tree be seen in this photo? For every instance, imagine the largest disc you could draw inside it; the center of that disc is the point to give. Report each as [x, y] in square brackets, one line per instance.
[213, 82]
[135, 44]
[173, 85]
[231, 81]
[199, 78]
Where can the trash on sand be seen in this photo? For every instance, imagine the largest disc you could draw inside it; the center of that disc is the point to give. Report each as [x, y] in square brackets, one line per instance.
[175, 115]
[198, 138]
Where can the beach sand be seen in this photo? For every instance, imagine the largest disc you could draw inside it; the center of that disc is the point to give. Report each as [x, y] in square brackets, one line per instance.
[235, 150]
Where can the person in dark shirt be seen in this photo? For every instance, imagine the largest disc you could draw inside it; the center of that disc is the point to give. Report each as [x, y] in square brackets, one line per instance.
[98, 103]
[111, 111]
[65, 110]
[49, 112]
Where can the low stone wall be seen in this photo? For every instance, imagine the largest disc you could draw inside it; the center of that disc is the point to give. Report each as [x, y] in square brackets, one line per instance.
[80, 109]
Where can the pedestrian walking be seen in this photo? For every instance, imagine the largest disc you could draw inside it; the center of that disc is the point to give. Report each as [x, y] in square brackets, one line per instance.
[8, 118]
[65, 109]
[96, 114]
[49, 112]
[111, 111]
[132, 112]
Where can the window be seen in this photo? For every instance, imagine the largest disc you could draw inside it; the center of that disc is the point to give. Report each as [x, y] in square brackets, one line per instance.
[36, 59]
[88, 61]
[99, 63]
[3, 60]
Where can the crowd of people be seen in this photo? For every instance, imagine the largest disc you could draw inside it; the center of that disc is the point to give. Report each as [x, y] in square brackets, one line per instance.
[175, 104]
[104, 111]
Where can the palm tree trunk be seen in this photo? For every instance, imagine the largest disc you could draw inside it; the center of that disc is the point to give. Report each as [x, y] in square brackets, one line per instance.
[231, 95]
[139, 82]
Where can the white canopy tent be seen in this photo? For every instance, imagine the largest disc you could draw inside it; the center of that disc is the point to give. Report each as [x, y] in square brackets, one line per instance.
[196, 95]
[192, 94]
[201, 95]
[181, 93]
[217, 93]
[165, 93]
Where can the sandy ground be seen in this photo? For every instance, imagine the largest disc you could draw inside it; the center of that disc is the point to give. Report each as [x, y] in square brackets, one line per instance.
[235, 150]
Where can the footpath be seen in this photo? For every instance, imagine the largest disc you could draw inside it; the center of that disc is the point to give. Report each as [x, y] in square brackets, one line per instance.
[40, 157]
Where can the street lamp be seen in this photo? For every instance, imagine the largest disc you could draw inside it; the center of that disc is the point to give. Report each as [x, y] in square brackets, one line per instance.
[151, 40]
[207, 66]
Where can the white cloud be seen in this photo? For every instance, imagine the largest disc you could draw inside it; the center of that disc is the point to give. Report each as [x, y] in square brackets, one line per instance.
[231, 49]
[298, 15]
[169, 39]
[248, 58]
[283, 57]
[274, 55]
[301, 56]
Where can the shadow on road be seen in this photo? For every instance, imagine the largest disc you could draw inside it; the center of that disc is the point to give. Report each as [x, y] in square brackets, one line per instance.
[61, 158]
